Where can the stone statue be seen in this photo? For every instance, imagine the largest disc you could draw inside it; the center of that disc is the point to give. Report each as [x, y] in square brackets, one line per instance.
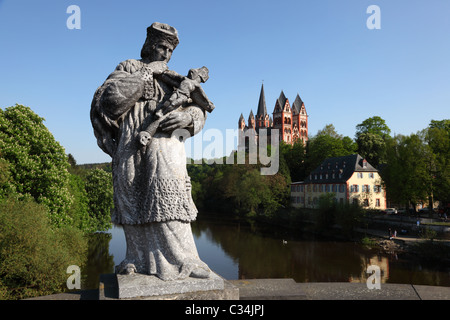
[134, 114]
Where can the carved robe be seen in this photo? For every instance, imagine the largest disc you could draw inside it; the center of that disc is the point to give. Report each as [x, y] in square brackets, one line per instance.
[151, 183]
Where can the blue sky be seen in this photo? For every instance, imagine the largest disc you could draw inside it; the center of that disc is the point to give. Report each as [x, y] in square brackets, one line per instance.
[322, 50]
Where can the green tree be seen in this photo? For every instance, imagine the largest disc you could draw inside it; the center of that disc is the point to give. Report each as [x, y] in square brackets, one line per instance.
[325, 146]
[407, 174]
[375, 125]
[37, 163]
[437, 136]
[34, 255]
[99, 189]
[371, 138]
[372, 147]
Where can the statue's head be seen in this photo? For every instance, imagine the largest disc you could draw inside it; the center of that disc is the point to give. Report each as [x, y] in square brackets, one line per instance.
[161, 40]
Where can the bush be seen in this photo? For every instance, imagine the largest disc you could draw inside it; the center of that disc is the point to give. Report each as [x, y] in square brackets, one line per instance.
[34, 256]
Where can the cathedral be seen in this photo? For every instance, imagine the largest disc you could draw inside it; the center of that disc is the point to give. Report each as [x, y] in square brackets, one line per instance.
[290, 120]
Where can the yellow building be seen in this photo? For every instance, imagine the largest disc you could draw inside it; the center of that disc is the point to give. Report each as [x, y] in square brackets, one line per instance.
[350, 178]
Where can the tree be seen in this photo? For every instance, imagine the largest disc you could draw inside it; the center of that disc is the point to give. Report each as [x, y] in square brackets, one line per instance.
[325, 146]
[372, 147]
[375, 125]
[437, 136]
[36, 162]
[407, 174]
[371, 137]
[99, 189]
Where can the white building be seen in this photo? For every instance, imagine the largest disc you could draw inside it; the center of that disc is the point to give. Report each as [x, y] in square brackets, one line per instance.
[350, 178]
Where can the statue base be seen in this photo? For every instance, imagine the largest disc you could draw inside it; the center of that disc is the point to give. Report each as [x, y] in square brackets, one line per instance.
[147, 287]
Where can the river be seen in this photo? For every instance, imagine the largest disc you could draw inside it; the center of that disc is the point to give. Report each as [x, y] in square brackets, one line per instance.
[238, 250]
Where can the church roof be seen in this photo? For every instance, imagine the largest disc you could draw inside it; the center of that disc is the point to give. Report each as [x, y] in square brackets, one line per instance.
[297, 105]
[262, 110]
[282, 99]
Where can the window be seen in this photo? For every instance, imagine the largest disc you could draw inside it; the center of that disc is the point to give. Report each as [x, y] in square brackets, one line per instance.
[314, 188]
[321, 188]
[354, 188]
[371, 175]
[341, 188]
[377, 202]
[366, 202]
[365, 188]
[377, 188]
[327, 188]
[360, 175]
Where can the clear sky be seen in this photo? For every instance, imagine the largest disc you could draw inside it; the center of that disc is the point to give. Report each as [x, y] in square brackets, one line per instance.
[321, 49]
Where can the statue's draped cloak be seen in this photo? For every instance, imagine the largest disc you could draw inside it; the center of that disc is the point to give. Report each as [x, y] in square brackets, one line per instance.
[151, 183]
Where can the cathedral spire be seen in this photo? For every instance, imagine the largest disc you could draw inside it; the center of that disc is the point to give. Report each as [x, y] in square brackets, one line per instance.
[262, 110]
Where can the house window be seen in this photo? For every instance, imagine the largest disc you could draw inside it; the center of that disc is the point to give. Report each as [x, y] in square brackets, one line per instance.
[320, 176]
[377, 188]
[327, 188]
[365, 188]
[321, 188]
[354, 188]
[360, 175]
[314, 188]
[371, 175]
[341, 188]
[377, 202]
[366, 202]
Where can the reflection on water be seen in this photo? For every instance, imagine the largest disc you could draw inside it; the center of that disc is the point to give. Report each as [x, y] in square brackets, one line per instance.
[240, 251]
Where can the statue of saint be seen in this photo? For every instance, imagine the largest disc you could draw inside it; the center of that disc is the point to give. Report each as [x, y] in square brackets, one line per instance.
[152, 190]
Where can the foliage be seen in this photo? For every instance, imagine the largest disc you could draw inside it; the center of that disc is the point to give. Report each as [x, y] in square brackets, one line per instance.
[36, 163]
[406, 175]
[324, 145]
[99, 190]
[79, 210]
[374, 125]
[372, 147]
[34, 256]
[371, 137]
[418, 166]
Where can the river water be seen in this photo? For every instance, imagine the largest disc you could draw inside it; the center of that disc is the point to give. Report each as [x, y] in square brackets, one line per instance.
[238, 250]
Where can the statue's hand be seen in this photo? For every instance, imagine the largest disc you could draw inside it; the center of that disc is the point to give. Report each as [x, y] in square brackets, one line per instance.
[144, 137]
[176, 120]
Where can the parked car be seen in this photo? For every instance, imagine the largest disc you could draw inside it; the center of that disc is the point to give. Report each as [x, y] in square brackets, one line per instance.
[390, 211]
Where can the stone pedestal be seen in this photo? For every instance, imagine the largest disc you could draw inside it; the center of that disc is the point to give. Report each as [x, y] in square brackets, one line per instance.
[145, 287]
